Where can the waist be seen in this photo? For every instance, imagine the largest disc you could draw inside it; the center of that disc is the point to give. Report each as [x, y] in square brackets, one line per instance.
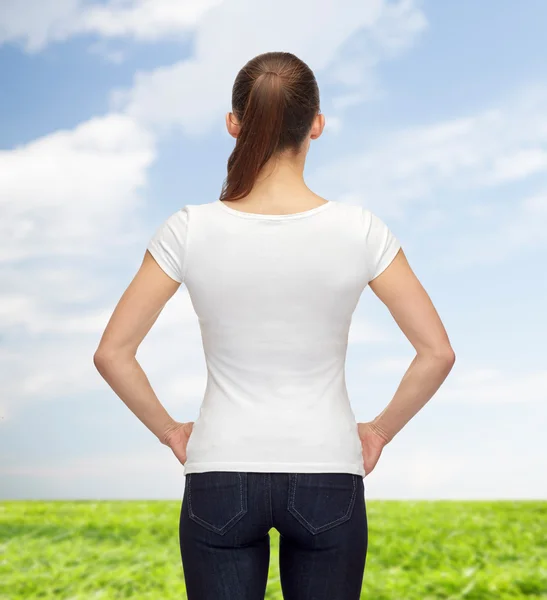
[354, 466]
[238, 434]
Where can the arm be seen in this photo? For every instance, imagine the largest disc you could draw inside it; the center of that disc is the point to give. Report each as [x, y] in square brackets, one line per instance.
[409, 304]
[115, 357]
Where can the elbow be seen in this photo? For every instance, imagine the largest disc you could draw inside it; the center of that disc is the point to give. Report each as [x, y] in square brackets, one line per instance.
[443, 355]
[102, 358]
[99, 360]
[107, 356]
[451, 356]
[446, 356]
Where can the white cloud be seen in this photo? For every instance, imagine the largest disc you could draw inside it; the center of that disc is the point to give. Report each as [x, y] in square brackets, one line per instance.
[36, 23]
[51, 341]
[102, 48]
[334, 125]
[469, 443]
[492, 147]
[475, 471]
[396, 29]
[143, 19]
[485, 385]
[396, 365]
[70, 203]
[73, 192]
[520, 164]
[424, 167]
[149, 472]
[507, 230]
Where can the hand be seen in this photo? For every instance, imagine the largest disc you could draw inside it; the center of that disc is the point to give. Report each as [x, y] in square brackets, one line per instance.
[177, 439]
[372, 445]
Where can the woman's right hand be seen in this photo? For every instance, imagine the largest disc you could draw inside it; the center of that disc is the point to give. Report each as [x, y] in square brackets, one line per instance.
[372, 445]
[177, 439]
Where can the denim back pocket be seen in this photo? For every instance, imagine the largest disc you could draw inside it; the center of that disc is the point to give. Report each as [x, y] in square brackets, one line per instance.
[321, 501]
[217, 500]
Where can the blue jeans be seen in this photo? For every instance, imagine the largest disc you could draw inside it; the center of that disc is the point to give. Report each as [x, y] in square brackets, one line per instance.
[224, 526]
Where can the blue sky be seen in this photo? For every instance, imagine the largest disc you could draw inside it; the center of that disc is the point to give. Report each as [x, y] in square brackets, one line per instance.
[112, 118]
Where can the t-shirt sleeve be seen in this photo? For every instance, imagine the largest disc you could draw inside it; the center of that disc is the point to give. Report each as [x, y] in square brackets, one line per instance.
[168, 244]
[381, 244]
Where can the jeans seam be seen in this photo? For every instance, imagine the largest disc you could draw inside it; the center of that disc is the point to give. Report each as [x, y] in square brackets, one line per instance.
[268, 482]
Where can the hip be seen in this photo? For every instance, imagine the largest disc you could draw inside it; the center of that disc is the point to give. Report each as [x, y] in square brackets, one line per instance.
[299, 502]
[225, 521]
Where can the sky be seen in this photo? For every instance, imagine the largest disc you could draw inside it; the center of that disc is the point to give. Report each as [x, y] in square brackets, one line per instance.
[112, 118]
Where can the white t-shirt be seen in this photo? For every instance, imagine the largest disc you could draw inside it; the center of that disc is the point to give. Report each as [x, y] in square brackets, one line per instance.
[274, 295]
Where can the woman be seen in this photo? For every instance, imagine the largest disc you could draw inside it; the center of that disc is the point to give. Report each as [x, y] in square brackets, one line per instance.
[274, 273]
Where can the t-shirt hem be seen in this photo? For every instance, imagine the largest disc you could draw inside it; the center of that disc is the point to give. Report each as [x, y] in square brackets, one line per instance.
[274, 467]
[158, 257]
[387, 259]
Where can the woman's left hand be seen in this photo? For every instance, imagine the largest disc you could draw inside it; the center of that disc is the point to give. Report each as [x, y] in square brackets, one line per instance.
[372, 445]
[177, 439]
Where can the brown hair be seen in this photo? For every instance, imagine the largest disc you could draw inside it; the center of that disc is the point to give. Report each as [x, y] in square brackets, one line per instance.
[275, 98]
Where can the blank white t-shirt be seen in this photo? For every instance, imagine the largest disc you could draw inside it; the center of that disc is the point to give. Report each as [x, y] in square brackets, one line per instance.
[274, 295]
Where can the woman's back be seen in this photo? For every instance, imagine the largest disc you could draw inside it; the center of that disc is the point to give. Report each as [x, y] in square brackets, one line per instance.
[274, 294]
[276, 443]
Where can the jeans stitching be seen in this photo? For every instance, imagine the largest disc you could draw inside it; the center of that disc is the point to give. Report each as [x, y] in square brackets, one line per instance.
[293, 509]
[243, 502]
[268, 482]
[292, 492]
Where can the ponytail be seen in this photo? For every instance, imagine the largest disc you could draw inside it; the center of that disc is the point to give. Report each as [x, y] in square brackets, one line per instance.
[275, 98]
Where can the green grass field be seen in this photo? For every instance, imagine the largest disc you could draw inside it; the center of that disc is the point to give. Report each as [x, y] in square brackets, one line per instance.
[417, 550]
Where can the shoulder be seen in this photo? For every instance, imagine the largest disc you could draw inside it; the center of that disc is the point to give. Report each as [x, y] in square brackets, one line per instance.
[373, 224]
[348, 209]
[370, 228]
[181, 218]
[197, 210]
[353, 215]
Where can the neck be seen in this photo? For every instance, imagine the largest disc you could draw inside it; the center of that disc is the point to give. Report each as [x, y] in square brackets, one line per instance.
[279, 183]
